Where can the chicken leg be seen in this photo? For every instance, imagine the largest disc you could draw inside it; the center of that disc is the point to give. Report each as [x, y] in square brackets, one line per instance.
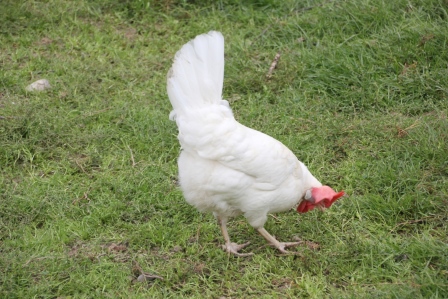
[273, 241]
[230, 247]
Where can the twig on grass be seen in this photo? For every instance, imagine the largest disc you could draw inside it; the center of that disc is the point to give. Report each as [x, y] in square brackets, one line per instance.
[84, 197]
[80, 166]
[38, 259]
[143, 276]
[404, 132]
[273, 65]
[413, 221]
[132, 156]
[146, 276]
[273, 216]
[311, 245]
[7, 117]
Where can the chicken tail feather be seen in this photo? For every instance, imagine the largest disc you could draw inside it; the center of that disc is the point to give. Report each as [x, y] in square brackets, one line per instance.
[196, 77]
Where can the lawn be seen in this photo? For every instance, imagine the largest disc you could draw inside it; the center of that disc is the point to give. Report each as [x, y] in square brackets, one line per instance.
[89, 203]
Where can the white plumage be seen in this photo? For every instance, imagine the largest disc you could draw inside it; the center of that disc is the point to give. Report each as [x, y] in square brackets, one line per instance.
[224, 167]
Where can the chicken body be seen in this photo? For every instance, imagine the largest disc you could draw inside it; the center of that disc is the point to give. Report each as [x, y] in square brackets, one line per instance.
[238, 170]
[225, 167]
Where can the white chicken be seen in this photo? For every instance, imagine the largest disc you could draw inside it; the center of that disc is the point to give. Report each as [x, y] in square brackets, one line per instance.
[227, 168]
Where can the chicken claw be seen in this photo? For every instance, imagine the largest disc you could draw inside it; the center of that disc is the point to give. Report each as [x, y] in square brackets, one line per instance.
[230, 247]
[273, 241]
[233, 248]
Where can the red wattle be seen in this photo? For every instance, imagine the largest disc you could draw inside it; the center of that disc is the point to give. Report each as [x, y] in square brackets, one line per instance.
[305, 206]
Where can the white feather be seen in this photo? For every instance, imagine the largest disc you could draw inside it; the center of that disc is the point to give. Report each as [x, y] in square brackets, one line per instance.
[225, 167]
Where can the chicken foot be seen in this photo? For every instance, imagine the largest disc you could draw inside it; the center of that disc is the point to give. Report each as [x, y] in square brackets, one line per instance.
[230, 247]
[273, 241]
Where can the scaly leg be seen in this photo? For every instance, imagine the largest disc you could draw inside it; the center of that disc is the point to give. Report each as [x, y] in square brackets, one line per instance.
[273, 241]
[229, 246]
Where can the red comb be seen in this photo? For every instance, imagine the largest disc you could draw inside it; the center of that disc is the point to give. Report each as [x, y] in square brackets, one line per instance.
[306, 206]
[328, 203]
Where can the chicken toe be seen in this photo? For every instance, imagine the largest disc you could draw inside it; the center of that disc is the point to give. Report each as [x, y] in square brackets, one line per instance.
[233, 248]
[230, 247]
[273, 241]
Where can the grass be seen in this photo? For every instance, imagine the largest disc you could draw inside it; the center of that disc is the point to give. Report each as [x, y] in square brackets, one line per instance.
[88, 196]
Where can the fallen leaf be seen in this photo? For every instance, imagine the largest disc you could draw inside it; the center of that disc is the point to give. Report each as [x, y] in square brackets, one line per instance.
[176, 248]
[425, 39]
[408, 67]
[117, 247]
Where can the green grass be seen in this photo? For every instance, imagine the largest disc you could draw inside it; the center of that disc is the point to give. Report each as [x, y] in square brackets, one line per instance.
[88, 195]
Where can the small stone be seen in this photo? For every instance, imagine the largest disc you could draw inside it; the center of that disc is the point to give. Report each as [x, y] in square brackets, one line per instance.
[39, 85]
